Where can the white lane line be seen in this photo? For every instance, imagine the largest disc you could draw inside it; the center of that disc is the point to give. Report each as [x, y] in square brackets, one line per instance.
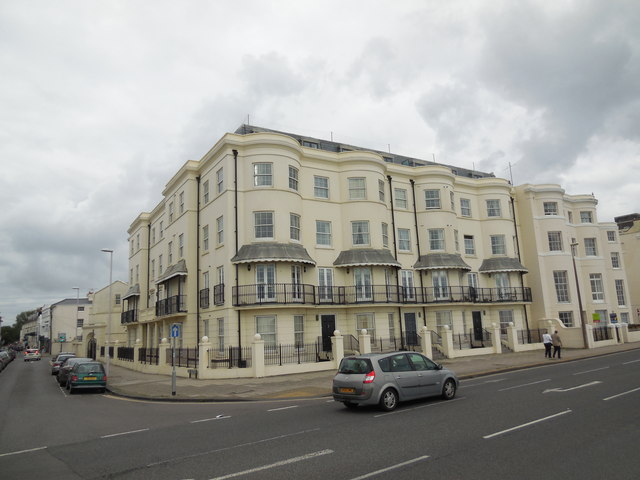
[621, 394]
[589, 371]
[21, 451]
[395, 412]
[392, 467]
[224, 449]
[218, 417]
[524, 385]
[124, 433]
[518, 427]
[282, 408]
[632, 361]
[277, 464]
[572, 388]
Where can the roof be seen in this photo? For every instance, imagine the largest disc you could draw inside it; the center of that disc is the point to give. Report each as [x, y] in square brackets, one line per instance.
[366, 256]
[179, 268]
[502, 264]
[272, 252]
[132, 292]
[441, 261]
[332, 146]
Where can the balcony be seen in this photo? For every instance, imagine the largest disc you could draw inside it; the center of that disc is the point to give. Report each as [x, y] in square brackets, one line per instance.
[204, 298]
[171, 305]
[130, 316]
[289, 294]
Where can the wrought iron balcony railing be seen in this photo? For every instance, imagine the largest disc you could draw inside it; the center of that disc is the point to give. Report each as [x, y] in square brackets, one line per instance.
[287, 293]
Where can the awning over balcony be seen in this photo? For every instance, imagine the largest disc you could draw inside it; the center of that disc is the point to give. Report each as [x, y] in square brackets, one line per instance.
[441, 261]
[132, 292]
[272, 252]
[179, 268]
[503, 264]
[366, 256]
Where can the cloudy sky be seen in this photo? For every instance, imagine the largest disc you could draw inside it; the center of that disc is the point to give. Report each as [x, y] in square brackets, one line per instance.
[102, 101]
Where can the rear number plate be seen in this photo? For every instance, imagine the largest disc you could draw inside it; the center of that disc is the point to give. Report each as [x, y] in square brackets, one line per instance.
[347, 390]
[90, 378]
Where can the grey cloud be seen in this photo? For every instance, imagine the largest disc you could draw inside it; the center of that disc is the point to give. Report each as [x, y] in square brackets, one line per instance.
[270, 75]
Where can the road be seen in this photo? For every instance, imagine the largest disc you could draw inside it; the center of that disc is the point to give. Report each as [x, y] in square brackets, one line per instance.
[560, 421]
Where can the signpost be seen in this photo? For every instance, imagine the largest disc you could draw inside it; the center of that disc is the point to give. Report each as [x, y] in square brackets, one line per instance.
[175, 333]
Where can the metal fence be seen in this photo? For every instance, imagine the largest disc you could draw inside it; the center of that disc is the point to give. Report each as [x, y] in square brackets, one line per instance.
[601, 333]
[530, 335]
[150, 356]
[184, 357]
[230, 357]
[297, 353]
[125, 353]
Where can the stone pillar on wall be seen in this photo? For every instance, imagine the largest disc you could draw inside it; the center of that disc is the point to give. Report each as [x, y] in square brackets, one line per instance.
[162, 353]
[447, 341]
[257, 351]
[496, 339]
[365, 341]
[337, 347]
[203, 354]
[425, 335]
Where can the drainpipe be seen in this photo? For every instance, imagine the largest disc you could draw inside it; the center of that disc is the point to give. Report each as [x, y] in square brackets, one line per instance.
[395, 254]
[148, 265]
[198, 261]
[515, 229]
[235, 208]
[415, 222]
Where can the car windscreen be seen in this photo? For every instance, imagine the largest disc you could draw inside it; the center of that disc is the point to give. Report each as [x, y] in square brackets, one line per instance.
[89, 368]
[355, 365]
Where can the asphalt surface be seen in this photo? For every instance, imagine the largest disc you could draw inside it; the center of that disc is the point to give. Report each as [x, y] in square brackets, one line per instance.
[137, 385]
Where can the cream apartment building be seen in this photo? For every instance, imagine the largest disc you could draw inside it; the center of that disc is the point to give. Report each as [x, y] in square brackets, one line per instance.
[292, 238]
[629, 231]
[558, 229]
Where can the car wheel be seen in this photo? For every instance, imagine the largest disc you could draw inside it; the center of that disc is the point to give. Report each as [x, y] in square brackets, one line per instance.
[449, 389]
[389, 400]
[350, 405]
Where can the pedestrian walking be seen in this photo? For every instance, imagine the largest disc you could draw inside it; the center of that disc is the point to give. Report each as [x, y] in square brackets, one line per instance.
[557, 344]
[547, 341]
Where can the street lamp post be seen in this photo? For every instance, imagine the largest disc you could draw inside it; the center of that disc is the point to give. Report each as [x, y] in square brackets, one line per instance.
[110, 306]
[582, 316]
[77, 289]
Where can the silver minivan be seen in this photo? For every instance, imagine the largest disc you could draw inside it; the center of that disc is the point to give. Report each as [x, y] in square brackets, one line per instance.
[385, 379]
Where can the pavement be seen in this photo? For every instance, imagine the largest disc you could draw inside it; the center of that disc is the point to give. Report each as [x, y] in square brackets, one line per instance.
[142, 386]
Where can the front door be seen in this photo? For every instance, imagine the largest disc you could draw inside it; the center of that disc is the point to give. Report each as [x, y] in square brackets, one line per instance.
[91, 348]
[328, 323]
[410, 328]
[477, 325]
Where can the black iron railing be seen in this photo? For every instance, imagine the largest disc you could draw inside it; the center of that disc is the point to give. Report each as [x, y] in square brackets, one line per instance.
[601, 333]
[171, 305]
[287, 354]
[150, 356]
[287, 293]
[125, 353]
[204, 298]
[130, 316]
[184, 357]
[218, 294]
[230, 357]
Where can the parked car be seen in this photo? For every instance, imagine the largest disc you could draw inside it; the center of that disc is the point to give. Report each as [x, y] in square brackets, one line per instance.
[58, 360]
[87, 375]
[385, 379]
[10, 351]
[5, 359]
[67, 365]
[32, 354]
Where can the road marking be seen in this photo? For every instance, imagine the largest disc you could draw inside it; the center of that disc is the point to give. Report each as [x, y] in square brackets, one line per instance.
[571, 388]
[621, 394]
[22, 451]
[282, 408]
[125, 433]
[632, 361]
[218, 417]
[248, 444]
[464, 382]
[589, 371]
[524, 385]
[392, 467]
[277, 464]
[419, 407]
[526, 424]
